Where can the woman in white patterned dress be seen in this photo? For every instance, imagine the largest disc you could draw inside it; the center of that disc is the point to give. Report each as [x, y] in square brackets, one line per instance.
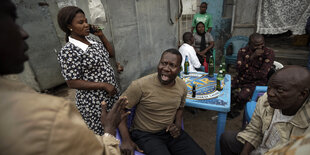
[85, 66]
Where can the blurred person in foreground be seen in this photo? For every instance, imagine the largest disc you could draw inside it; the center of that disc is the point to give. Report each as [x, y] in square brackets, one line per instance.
[297, 146]
[33, 123]
[281, 114]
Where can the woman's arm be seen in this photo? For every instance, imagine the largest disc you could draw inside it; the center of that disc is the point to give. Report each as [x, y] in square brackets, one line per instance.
[211, 45]
[88, 85]
[104, 40]
[107, 45]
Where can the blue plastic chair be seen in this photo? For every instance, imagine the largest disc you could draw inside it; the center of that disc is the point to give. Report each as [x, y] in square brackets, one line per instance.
[129, 123]
[250, 106]
[237, 43]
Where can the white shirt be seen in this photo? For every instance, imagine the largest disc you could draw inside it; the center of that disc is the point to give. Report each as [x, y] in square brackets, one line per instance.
[272, 136]
[189, 51]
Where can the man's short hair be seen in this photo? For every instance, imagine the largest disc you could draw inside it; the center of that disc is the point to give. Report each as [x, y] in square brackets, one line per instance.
[173, 51]
[187, 36]
[7, 8]
[204, 3]
[255, 36]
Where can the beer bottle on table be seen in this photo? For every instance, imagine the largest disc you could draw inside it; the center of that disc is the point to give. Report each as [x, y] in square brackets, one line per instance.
[186, 65]
[220, 81]
[211, 67]
[194, 91]
[223, 66]
[179, 75]
[205, 64]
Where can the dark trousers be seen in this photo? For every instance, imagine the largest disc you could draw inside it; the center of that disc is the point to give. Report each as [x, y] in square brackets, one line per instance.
[162, 143]
[240, 98]
[201, 58]
[229, 144]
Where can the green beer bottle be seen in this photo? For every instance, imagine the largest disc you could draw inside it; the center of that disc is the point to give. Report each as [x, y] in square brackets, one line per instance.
[220, 81]
[179, 75]
[223, 66]
[186, 65]
[194, 91]
[211, 67]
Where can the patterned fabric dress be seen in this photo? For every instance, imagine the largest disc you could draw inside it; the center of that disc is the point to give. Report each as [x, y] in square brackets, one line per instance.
[250, 74]
[90, 64]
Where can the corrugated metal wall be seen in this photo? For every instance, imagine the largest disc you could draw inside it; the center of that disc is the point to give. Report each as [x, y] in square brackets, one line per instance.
[140, 31]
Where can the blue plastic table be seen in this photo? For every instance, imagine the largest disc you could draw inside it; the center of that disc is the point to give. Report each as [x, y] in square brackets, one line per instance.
[220, 101]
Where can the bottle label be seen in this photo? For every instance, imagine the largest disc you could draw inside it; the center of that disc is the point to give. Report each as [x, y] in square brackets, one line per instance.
[222, 84]
[219, 84]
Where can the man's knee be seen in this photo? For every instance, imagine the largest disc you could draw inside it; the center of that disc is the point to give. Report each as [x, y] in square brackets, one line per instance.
[229, 144]
[224, 138]
[228, 138]
[185, 145]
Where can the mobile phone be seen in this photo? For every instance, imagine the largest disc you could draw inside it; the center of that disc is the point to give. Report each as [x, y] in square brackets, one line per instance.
[91, 30]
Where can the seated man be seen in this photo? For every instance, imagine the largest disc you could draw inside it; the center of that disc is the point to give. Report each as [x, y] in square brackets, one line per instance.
[253, 64]
[159, 99]
[188, 50]
[280, 114]
[33, 123]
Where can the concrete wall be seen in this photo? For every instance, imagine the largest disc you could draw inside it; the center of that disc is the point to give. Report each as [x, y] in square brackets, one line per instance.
[215, 8]
[245, 17]
[139, 30]
[42, 71]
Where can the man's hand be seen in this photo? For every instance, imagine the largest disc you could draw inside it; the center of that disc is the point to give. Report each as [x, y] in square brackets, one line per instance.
[129, 147]
[111, 120]
[258, 52]
[174, 130]
[247, 149]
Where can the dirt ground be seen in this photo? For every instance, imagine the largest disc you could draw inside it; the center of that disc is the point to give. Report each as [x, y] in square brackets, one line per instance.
[203, 129]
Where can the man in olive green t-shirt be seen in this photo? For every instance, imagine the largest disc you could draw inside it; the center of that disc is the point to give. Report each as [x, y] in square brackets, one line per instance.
[203, 17]
[159, 99]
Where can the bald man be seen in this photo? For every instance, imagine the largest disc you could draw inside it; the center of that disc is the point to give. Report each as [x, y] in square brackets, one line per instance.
[280, 115]
[253, 64]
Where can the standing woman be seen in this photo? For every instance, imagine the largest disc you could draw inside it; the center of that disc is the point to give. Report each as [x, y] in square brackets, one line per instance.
[85, 66]
[203, 42]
